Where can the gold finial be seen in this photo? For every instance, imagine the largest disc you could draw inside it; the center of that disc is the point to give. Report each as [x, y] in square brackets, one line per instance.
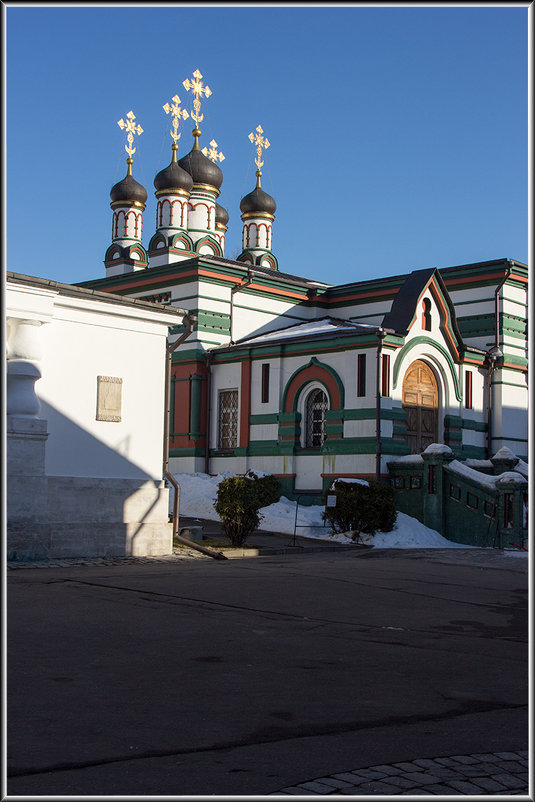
[131, 129]
[212, 153]
[177, 112]
[196, 86]
[260, 142]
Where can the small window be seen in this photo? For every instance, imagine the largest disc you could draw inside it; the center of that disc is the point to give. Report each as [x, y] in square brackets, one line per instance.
[385, 378]
[265, 383]
[228, 420]
[399, 482]
[468, 389]
[472, 501]
[416, 482]
[361, 375]
[316, 407]
[426, 314]
[455, 492]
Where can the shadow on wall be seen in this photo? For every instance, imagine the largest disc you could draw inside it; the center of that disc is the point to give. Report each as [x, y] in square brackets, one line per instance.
[89, 501]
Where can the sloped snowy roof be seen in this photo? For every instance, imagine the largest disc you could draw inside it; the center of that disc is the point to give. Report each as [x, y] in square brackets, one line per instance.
[314, 328]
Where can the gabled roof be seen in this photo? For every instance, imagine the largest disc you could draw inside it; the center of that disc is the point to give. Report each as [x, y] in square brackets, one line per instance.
[404, 306]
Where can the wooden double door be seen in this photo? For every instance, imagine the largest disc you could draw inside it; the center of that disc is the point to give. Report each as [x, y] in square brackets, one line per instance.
[420, 402]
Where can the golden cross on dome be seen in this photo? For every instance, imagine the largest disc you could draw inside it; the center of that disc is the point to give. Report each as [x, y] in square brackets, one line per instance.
[177, 112]
[258, 140]
[131, 129]
[212, 153]
[197, 87]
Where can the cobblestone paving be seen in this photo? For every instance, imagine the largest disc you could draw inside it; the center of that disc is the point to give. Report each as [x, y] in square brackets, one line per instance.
[502, 773]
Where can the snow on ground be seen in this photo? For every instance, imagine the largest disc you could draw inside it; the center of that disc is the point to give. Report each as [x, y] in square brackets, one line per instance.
[198, 493]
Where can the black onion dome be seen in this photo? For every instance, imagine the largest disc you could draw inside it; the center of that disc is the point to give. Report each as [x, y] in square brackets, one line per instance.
[128, 190]
[173, 177]
[201, 169]
[221, 215]
[258, 201]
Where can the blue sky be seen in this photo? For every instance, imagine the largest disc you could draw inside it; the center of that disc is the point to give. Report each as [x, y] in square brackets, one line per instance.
[399, 135]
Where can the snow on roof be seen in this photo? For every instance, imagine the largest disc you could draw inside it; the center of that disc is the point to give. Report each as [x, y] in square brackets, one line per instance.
[478, 463]
[522, 467]
[312, 328]
[483, 478]
[409, 458]
[438, 448]
[505, 453]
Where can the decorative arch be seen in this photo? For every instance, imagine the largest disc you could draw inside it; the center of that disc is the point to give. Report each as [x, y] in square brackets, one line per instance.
[157, 241]
[182, 241]
[429, 356]
[267, 260]
[212, 243]
[314, 371]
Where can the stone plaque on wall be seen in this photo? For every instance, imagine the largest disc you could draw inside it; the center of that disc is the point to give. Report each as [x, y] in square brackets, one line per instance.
[109, 390]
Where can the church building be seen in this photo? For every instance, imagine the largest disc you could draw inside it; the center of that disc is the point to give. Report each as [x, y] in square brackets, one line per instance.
[308, 380]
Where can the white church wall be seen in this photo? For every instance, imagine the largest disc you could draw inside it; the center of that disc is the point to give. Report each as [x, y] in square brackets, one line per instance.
[86, 341]
[101, 478]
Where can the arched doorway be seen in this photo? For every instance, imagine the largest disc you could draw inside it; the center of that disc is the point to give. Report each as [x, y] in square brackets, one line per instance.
[420, 402]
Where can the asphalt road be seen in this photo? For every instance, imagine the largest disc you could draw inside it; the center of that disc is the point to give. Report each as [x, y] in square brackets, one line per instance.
[243, 677]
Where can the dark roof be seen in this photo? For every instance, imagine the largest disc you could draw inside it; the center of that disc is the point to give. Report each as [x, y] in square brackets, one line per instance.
[128, 190]
[173, 177]
[269, 272]
[404, 304]
[258, 201]
[201, 169]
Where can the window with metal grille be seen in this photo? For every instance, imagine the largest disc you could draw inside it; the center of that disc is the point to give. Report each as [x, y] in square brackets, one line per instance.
[316, 407]
[228, 420]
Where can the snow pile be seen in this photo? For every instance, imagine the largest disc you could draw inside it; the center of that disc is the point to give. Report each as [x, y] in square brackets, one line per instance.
[351, 480]
[409, 533]
[417, 458]
[504, 453]
[198, 493]
[522, 467]
[510, 476]
[438, 448]
[483, 479]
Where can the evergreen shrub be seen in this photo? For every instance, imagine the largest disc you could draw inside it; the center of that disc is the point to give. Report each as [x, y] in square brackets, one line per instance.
[361, 509]
[238, 501]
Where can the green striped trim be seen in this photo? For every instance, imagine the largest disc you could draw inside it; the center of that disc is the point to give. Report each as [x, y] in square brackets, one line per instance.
[187, 452]
[512, 384]
[476, 325]
[456, 422]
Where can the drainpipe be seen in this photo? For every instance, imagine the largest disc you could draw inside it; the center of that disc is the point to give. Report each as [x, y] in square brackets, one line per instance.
[190, 323]
[496, 306]
[381, 334]
[233, 291]
[208, 358]
[493, 357]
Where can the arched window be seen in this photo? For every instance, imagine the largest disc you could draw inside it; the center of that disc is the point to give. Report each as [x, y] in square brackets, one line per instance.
[426, 314]
[315, 408]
